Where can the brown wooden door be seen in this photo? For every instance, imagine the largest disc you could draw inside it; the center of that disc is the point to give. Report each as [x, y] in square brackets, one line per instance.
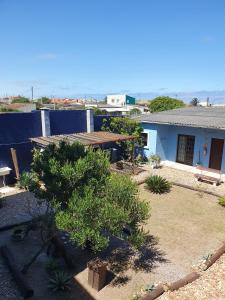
[216, 154]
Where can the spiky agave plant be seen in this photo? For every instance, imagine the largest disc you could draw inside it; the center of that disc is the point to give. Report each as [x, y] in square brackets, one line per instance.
[157, 184]
[60, 281]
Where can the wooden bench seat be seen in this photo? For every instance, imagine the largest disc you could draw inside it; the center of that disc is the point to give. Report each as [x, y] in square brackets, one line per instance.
[206, 178]
[203, 176]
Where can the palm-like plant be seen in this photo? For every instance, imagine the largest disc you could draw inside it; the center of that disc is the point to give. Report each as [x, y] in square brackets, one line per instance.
[157, 184]
[60, 281]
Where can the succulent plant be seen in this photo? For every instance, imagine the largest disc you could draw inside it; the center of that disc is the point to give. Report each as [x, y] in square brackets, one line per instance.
[158, 184]
[60, 281]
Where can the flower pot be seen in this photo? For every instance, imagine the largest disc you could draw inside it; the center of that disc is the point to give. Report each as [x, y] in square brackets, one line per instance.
[97, 270]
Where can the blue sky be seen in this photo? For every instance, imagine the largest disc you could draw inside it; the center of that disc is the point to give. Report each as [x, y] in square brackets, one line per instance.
[71, 47]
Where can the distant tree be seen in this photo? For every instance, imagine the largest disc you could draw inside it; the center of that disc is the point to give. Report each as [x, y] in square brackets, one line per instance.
[44, 100]
[194, 102]
[5, 109]
[162, 103]
[135, 111]
[20, 99]
[125, 126]
[98, 111]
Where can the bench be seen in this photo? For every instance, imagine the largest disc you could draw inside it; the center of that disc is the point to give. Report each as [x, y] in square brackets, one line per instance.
[208, 175]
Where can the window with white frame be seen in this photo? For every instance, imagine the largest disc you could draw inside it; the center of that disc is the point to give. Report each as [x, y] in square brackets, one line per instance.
[144, 136]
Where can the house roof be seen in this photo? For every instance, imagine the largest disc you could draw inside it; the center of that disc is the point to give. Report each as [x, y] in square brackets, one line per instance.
[88, 139]
[202, 117]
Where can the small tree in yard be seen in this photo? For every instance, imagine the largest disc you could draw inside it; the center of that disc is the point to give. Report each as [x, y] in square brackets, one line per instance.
[125, 126]
[82, 197]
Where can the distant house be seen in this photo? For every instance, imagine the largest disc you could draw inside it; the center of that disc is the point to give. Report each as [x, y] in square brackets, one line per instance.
[120, 100]
[22, 107]
[186, 136]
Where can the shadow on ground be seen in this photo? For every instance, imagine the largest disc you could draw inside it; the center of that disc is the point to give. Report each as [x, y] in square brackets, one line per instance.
[121, 258]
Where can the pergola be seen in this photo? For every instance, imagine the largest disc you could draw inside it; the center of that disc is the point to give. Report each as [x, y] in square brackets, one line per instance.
[94, 139]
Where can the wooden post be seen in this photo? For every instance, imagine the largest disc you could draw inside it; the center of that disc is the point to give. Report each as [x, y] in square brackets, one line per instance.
[15, 163]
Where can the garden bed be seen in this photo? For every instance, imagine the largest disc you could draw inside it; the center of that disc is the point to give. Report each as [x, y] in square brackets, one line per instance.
[126, 168]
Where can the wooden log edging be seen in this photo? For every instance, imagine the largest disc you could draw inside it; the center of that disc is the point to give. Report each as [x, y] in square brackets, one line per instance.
[186, 187]
[183, 281]
[215, 257]
[191, 277]
[158, 291]
[22, 284]
[196, 189]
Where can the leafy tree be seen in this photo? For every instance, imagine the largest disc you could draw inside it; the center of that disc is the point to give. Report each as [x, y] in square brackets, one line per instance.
[82, 196]
[194, 102]
[20, 99]
[98, 111]
[5, 109]
[44, 100]
[125, 126]
[162, 103]
[135, 111]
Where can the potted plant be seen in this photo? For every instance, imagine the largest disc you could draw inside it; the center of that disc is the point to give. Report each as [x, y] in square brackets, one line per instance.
[155, 160]
[18, 235]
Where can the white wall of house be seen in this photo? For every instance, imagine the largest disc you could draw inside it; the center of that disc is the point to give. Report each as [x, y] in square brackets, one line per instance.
[116, 100]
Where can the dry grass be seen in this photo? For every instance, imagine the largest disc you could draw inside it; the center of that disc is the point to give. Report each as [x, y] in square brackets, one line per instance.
[187, 223]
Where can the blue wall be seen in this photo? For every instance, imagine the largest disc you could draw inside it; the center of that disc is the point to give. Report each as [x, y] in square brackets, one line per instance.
[162, 140]
[15, 131]
[67, 121]
[17, 128]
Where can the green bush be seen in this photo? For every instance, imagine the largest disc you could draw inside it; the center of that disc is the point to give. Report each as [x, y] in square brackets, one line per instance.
[60, 281]
[222, 201]
[157, 184]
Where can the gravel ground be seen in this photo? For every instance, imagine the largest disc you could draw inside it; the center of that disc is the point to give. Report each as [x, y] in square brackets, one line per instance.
[18, 207]
[8, 289]
[211, 285]
[181, 177]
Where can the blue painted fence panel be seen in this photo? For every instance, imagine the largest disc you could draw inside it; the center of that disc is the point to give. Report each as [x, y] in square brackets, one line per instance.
[67, 121]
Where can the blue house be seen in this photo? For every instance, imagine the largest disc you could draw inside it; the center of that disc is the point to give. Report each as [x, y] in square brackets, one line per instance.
[189, 136]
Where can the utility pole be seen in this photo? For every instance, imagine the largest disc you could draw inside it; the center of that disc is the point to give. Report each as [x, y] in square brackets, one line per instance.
[32, 93]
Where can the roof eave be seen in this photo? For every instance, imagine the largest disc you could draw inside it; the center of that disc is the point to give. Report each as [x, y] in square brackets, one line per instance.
[184, 125]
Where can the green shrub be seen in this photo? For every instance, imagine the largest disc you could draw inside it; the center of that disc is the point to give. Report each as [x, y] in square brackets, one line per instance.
[158, 184]
[222, 201]
[51, 266]
[155, 160]
[60, 281]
